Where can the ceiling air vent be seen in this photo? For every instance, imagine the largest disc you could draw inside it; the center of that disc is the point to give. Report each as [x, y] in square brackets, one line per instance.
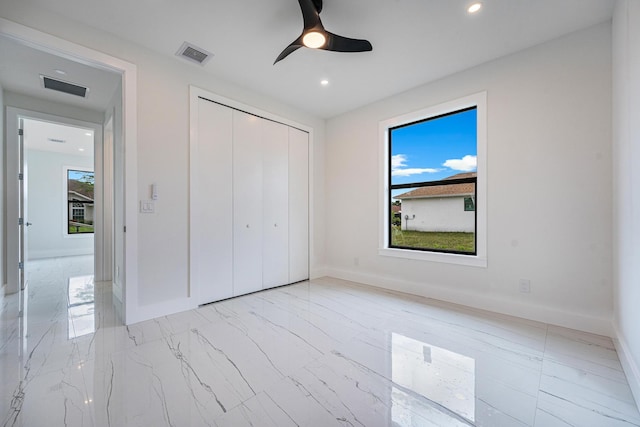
[66, 87]
[194, 53]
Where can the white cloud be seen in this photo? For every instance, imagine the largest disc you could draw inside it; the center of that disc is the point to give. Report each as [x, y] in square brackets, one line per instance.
[412, 171]
[398, 161]
[468, 163]
[397, 167]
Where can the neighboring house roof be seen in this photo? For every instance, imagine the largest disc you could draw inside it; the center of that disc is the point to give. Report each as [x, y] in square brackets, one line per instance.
[74, 195]
[79, 189]
[443, 190]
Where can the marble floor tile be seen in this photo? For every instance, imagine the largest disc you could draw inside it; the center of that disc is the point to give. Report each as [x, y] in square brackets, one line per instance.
[322, 353]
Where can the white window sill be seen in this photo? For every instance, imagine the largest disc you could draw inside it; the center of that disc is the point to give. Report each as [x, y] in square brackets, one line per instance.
[468, 260]
[78, 235]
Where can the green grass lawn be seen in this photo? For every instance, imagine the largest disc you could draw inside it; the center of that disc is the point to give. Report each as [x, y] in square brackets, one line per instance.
[83, 229]
[461, 242]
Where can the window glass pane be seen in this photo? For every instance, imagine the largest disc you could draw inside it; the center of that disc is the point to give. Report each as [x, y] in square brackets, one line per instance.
[80, 186]
[422, 220]
[435, 148]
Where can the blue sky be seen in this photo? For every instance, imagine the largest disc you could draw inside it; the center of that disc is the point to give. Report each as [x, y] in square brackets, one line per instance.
[78, 175]
[435, 149]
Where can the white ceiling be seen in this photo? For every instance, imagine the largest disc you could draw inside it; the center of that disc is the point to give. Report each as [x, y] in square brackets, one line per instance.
[21, 67]
[77, 141]
[414, 41]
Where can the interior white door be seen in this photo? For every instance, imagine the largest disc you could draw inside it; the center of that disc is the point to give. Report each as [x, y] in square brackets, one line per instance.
[298, 205]
[211, 225]
[275, 190]
[247, 203]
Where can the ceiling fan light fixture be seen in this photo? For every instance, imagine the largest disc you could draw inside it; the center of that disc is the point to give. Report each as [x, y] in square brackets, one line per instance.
[314, 39]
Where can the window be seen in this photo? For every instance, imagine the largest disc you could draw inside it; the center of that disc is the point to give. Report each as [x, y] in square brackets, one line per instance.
[469, 204]
[77, 212]
[435, 183]
[80, 201]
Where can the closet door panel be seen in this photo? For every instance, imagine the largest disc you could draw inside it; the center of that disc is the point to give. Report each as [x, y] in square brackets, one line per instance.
[298, 205]
[211, 225]
[247, 203]
[275, 189]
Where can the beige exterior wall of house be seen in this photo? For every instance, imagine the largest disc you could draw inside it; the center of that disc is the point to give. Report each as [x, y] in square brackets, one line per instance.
[437, 214]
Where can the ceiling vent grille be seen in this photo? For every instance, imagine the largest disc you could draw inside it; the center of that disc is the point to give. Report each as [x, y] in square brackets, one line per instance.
[65, 87]
[194, 53]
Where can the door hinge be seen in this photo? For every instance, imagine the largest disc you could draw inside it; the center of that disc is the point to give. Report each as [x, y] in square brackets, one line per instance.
[20, 176]
[125, 228]
[21, 265]
[20, 221]
[20, 132]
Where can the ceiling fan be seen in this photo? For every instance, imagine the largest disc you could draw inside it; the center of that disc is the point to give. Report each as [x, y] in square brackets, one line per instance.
[314, 35]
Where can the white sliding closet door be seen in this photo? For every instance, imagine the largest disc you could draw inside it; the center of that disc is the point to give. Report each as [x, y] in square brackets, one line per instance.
[275, 189]
[211, 222]
[247, 203]
[298, 205]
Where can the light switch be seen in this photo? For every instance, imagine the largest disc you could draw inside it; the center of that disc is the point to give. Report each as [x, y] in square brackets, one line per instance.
[147, 206]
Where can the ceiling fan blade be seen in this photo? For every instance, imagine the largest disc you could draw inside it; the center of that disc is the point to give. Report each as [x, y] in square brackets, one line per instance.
[338, 43]
[295, 45]
[310, 14]
[318, 5]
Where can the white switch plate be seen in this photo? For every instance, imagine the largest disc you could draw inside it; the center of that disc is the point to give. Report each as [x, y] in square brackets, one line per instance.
[147, 206]
[525, 286]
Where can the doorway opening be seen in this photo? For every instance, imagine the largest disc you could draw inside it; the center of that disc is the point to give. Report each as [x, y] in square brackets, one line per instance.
[64, 223]
[114, 107]
[61, 211]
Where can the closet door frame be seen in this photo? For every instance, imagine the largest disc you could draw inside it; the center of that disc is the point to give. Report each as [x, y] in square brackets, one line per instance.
[196, 93]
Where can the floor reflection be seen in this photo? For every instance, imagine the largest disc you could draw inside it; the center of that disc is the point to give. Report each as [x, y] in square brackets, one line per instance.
[81, 307]
[445, 378]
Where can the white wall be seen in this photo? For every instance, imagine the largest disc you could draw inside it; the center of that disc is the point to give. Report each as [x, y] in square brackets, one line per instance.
[46, 207]
[626, 185]
[549, 187]
[162, 150]
[437, 214]
[25, 102]
[3, 274]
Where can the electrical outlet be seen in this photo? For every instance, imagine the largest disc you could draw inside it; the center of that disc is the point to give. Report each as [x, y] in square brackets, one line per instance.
[525, 286]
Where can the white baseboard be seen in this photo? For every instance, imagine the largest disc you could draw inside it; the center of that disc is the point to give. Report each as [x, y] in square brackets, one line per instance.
[57, 253]
[317, 272]
[502, 305]
[629, 365]
[160, 309]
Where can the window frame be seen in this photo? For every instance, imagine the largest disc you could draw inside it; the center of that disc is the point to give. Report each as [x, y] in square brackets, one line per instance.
[479, 259]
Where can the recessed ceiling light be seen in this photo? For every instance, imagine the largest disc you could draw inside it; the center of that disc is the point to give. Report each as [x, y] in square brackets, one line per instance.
[80, 149]
[61, 72]
[474, 7]
[88, 133]
[324, 82]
